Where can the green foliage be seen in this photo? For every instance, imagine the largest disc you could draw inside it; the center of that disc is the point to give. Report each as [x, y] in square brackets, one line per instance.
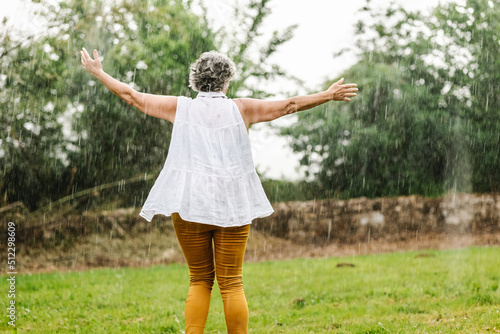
[64, 132]
[286, 191]
[426, 117]
[379, 145]
[447, 291]
[67, 132]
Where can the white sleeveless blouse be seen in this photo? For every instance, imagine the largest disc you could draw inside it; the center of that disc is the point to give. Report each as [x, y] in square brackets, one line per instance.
[209, 176]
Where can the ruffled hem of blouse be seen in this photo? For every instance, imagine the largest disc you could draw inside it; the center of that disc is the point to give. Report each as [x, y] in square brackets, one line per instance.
[207, 199]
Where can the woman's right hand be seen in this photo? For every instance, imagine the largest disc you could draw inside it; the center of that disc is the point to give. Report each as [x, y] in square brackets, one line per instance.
[93, 66]
[340, 92]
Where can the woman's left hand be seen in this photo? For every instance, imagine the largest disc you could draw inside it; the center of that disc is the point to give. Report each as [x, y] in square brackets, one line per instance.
[340, 92]
[93, 66]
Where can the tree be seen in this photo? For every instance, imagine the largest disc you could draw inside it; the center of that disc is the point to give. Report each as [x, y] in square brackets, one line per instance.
[64, 131]
[420, 123]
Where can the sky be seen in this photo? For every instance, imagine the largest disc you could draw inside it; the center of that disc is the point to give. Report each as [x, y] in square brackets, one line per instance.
[324, 27]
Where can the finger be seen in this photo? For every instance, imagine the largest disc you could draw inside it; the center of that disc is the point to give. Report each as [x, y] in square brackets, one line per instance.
[85, 54]
[350, 85]
[347, 99]
[96, 55]
[350, 94]
[340, 81]
[83, 57]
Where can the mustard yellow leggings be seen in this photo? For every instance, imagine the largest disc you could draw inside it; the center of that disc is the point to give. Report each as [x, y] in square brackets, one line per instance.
[209, 251]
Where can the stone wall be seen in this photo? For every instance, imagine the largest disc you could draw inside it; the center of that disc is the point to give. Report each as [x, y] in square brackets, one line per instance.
[401, 218]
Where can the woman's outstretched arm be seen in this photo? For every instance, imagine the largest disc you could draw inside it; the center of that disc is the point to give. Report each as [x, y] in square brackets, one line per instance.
[159, 106]
[255, 111]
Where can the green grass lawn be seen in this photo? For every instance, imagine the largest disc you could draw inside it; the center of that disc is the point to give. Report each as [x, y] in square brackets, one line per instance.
[452, 291]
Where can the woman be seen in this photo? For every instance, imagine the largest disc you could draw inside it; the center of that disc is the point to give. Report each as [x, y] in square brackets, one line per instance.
[208, 183]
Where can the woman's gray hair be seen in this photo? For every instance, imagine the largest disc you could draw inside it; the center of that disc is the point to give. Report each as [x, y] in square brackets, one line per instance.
[211, 72]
